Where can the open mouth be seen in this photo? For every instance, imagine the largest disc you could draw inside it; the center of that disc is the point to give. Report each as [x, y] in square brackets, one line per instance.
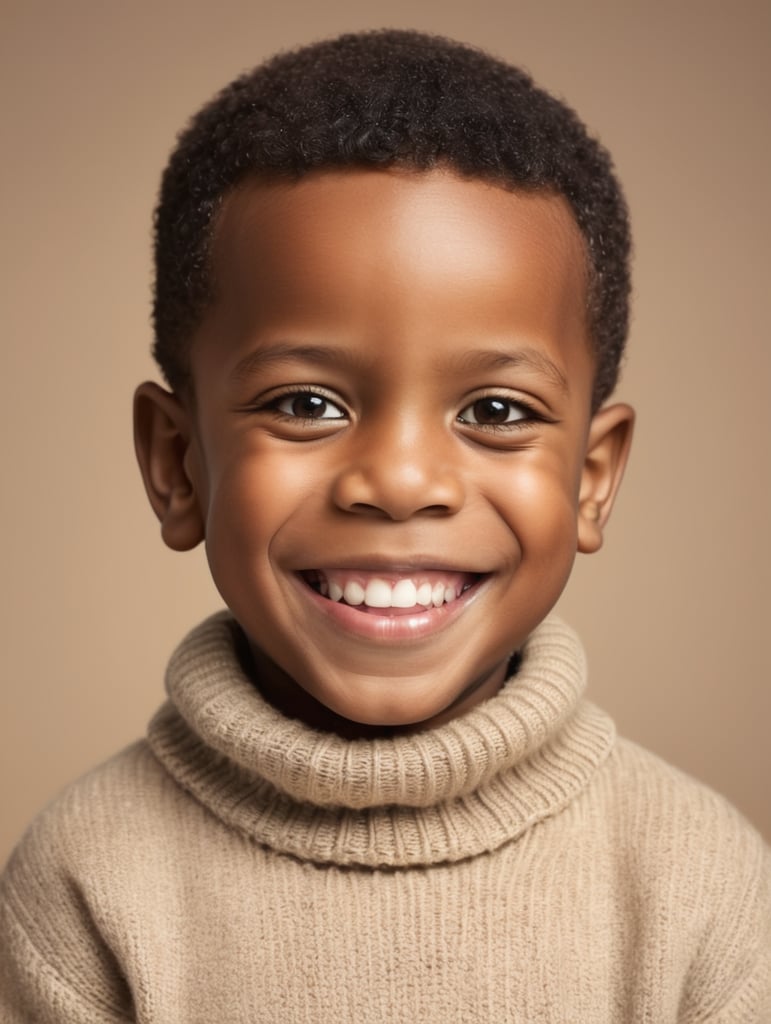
[390, 593]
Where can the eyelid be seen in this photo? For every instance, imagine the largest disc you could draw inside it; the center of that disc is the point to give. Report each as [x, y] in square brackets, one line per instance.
[270, 402]
[530, 414]
[291, 396]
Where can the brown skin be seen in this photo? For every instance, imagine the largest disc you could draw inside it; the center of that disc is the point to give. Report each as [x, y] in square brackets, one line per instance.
[400, 300]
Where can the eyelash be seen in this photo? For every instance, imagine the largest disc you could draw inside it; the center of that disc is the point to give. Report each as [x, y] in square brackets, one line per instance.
[273, 403]
[527, 419]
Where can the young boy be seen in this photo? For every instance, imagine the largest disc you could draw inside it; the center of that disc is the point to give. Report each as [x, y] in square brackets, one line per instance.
[391, 301]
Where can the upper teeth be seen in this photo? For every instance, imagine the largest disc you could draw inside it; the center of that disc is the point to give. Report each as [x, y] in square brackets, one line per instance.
[405, 593]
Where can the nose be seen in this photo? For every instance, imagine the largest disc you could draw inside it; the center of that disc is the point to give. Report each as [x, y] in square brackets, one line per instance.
[399, 473]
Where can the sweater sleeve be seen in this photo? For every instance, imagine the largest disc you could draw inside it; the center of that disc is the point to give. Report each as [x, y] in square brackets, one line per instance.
[55, 967]
[730, 983]
[34, 991]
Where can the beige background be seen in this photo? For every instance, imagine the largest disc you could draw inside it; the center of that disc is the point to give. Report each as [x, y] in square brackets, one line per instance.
[674, 611]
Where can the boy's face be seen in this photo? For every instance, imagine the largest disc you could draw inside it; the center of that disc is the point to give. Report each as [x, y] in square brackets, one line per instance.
[392, 404]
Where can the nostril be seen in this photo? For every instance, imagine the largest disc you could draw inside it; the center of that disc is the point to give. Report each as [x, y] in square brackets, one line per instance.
[395, 512]
[372, 510]
[398, 492]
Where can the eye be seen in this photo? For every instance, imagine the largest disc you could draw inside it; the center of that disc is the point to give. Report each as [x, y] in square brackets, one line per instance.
[308, 405]
[494, 411]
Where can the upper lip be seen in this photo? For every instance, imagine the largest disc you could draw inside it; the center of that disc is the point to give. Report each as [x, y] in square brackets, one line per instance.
[379, 563]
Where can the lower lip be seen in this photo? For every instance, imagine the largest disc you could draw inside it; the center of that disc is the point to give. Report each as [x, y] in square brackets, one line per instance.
[401, 627]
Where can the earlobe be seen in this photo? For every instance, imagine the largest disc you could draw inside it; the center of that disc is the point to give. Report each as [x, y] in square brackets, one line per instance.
[608, 444]
[162, 440]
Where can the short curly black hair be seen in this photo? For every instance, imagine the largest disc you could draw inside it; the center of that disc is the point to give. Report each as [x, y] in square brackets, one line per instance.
[385, 98]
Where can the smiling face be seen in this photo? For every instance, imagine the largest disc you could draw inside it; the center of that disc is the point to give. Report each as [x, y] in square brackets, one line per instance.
[390, 452]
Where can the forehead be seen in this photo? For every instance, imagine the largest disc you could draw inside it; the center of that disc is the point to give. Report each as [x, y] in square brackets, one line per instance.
[376, 256]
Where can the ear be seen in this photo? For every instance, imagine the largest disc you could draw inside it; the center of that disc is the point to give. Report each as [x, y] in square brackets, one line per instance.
[163, 440]
[607, 451]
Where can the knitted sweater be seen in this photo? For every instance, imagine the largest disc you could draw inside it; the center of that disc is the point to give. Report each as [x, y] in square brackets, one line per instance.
[515, 864]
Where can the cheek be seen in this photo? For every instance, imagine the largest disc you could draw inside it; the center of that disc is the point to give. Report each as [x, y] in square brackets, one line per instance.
[251, 500]
[538, 503]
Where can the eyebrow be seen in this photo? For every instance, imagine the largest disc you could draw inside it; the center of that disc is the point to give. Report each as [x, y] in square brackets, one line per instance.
[500, 359]
[289, 352]
[475, 360]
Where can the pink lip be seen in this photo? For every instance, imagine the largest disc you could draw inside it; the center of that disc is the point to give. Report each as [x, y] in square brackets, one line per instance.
[383, 565]
[401, 627]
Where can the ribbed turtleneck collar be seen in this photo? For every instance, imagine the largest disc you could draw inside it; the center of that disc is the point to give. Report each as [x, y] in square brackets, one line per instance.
[444, 794]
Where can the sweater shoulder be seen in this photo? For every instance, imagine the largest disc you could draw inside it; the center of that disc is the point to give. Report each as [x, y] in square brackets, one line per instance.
[56, 938]
[657, 796]
[93, 830]
[118, 797]
[665, 821]
[685, 854]
[95, 843]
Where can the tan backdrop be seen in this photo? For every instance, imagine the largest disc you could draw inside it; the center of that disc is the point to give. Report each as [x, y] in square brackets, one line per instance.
[674, 611]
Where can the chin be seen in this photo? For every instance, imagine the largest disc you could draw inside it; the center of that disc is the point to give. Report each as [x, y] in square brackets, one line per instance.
[393, 715]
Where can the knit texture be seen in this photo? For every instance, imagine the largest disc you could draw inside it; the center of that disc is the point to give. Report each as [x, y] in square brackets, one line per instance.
[516, 864]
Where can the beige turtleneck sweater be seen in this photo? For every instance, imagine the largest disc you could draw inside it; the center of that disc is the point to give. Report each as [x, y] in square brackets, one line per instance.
[516, 864]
